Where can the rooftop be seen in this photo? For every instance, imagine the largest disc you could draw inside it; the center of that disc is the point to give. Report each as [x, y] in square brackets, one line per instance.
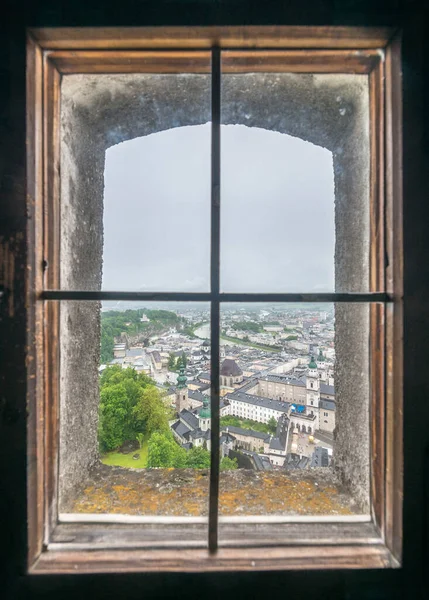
[230, 368]
[327, 389]
[259, 401]
[289, 379]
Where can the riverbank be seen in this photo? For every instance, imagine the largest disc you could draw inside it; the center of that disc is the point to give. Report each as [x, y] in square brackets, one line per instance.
[203, 332]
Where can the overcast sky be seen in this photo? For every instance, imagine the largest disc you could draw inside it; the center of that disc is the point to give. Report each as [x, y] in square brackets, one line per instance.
[277, 212]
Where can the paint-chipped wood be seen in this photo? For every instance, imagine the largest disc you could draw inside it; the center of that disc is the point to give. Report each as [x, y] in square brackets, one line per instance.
[225, 559]
[108, 38]
[299, 61]
[291, 61]
[34, 355]
[102, 535]
[51, 261]
[394, 317]
[90, 61]
[377, 284]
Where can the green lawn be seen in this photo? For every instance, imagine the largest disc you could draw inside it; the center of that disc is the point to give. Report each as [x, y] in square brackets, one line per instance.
[117, 459]
[244, 424]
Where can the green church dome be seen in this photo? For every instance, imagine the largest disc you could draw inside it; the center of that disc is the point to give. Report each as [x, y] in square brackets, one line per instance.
[182, 379]
[312, 364]
[205, 411]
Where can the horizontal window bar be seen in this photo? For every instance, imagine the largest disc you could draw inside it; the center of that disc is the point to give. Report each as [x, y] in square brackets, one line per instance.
[106, 295]
[328, 297]
[221, 297]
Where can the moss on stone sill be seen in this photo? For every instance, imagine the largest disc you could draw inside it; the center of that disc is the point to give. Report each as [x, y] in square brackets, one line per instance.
[184, 492]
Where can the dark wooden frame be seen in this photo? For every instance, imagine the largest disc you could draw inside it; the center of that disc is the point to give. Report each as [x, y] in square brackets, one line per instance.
[53, 52]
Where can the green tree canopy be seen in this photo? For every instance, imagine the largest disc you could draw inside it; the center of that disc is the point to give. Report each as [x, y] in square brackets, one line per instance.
[227, 464]
[164, 452]
[272, 425]
[129, 404]
[198, 458]
[171, 362]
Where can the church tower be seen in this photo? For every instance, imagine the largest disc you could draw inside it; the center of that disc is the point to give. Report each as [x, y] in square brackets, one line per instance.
[313, 387]
[204, 416]
[182, 400]
[322, 366]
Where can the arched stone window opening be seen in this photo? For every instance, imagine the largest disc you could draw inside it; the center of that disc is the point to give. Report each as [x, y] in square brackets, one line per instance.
[99, 111]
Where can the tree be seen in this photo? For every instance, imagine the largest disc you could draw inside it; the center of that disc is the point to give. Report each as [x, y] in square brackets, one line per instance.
[107, 343]
[272, 425]
[129, 404]
[151, 411]
[113, 417]
[140, 439]
[198, 458]
[171, 362]
[227, 464]
[164, 452]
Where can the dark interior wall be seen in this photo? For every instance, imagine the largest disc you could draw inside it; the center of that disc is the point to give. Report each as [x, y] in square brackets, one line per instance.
[16, 16]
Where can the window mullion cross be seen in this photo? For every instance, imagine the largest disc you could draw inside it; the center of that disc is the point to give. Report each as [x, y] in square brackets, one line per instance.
[215, 300]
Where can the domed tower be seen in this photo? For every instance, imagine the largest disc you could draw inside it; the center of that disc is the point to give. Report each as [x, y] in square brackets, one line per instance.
[322, 366]
[182, 400]
[230, 373]
[205, 415]
[312, 385]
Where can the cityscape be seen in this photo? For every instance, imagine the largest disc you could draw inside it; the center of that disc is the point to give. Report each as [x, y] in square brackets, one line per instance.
[277, 393]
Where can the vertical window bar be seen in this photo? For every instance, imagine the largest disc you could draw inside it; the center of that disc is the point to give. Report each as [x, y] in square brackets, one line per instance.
[214, 312]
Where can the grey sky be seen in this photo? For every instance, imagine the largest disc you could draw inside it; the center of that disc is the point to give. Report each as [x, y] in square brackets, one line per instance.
[277, 228]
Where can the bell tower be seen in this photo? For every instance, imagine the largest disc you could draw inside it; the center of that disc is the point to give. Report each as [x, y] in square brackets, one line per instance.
[205, 415]
[312, 386]
[182, 400]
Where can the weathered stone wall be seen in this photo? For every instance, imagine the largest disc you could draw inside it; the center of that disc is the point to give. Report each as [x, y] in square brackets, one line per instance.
[102, 110]
[185, 492]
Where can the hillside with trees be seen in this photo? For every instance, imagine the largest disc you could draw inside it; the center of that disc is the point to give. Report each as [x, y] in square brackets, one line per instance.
[114, 322]
[250, 326]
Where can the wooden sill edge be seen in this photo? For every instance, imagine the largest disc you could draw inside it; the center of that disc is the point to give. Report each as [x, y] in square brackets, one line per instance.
[375, 556]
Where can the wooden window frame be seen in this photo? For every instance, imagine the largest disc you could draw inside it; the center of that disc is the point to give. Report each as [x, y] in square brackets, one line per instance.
[303, 543]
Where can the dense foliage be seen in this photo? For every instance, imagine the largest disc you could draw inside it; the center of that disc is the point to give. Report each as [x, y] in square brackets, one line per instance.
[227, 464]
[164, 452]
[129, 404]
[175, 364]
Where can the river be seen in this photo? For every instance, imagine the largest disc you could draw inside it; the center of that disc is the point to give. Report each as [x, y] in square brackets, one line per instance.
[203, 332]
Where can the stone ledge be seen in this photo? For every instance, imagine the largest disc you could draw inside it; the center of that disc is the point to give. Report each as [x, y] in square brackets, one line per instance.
[184, 492]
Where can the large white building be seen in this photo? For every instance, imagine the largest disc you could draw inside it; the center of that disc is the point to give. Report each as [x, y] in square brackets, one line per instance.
[256, 408]
[308, 400]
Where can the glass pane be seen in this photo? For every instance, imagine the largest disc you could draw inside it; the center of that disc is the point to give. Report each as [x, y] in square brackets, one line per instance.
[294, 382]
[135, 421]
[294, 187]
[135, 196]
